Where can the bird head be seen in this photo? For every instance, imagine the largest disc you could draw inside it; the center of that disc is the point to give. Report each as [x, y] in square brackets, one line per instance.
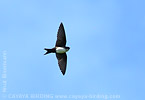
[67, 48]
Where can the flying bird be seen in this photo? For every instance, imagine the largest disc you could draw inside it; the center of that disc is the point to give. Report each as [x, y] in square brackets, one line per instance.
[60, 49]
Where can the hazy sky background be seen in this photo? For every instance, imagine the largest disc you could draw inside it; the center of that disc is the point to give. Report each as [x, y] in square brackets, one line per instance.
[106, 39]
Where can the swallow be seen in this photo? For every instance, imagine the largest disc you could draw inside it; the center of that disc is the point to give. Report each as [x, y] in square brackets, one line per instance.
[60, 49]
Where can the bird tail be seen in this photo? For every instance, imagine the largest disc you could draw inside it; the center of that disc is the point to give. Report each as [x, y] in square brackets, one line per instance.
[48, 51]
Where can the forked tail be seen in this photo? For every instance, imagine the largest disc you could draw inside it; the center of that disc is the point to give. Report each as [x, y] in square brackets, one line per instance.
[49, 51]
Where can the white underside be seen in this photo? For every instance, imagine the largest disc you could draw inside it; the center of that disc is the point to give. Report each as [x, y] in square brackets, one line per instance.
[60, 50]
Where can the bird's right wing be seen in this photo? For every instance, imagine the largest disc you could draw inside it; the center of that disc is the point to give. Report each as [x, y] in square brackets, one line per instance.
[61, 38]
[62, 62]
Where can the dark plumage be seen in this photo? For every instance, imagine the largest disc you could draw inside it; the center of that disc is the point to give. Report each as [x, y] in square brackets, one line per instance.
[60, 49]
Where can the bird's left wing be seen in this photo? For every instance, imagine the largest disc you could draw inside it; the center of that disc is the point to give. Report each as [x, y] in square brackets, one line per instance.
[62, 62]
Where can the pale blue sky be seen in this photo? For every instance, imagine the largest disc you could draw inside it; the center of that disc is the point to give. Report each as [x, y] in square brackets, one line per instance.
[106, 39]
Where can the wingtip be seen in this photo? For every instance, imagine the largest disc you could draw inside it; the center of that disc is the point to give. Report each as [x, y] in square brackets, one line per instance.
[63, 73]
[61, 24]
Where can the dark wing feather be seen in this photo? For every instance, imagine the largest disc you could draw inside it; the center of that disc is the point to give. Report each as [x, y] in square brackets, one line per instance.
[61, 38]
[62, 62]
